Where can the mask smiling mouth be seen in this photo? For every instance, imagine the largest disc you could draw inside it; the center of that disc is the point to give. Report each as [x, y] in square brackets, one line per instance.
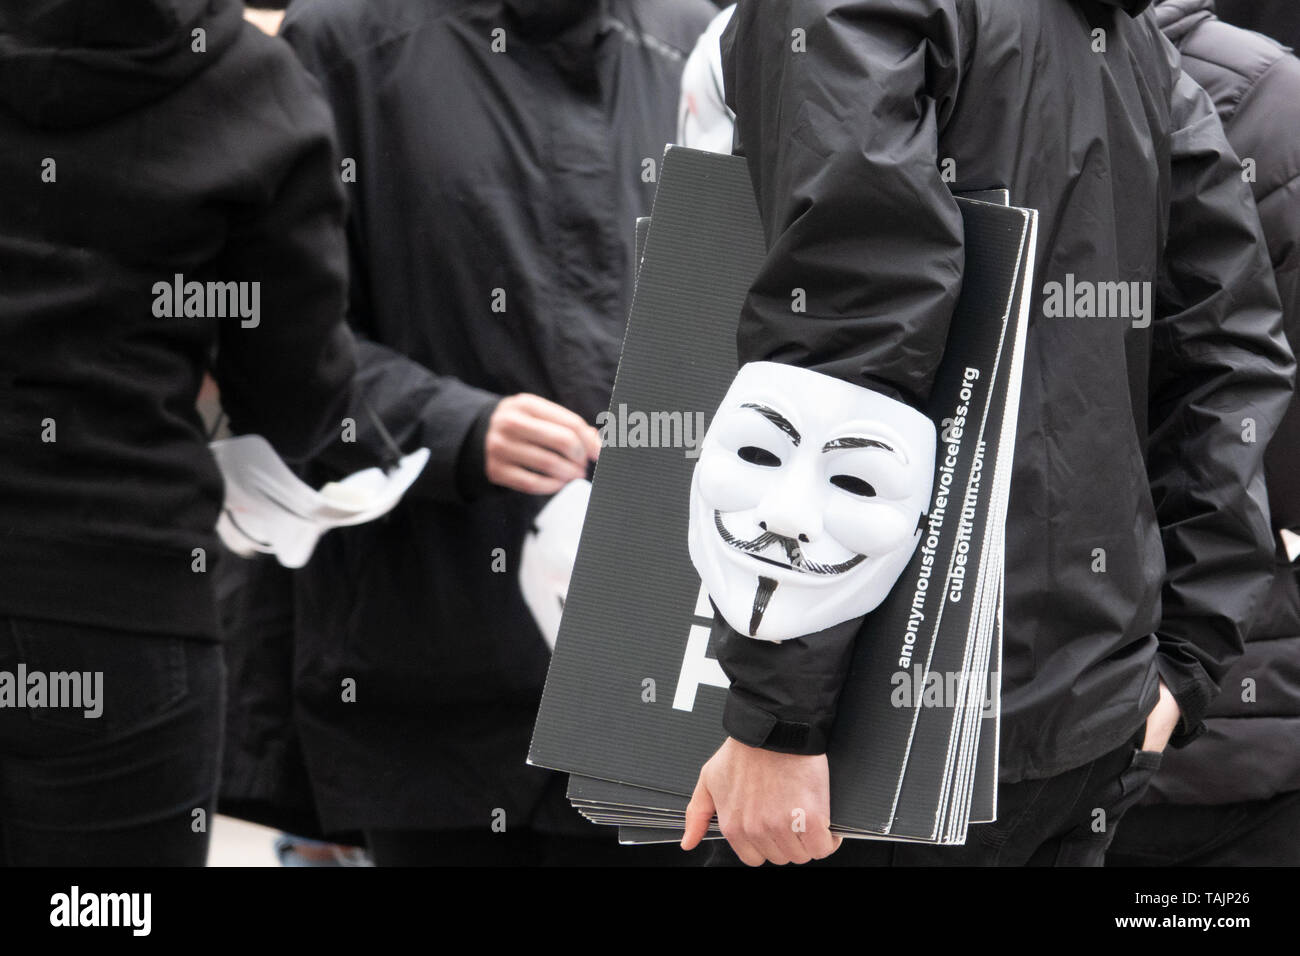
[796, 557]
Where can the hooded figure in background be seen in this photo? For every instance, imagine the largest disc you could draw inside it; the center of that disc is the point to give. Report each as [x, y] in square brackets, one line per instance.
[1232, 798]
[496, 155]
[165, 215]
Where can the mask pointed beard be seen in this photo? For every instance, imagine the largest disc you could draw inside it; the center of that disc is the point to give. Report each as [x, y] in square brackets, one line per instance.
[815, 488]
[766, 586]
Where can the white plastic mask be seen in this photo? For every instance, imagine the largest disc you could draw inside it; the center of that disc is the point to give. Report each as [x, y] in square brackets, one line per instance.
[807, 500]
[549, 552]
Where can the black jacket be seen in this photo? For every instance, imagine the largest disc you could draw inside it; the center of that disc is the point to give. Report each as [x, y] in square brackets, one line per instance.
[1251, 750]
[1279, 19]
[1130, 439]
[509, 178]
[144, 140]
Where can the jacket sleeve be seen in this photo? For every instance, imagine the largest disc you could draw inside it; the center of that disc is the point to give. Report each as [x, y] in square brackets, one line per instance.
[841, 138]
[838, 108]
[287, 375]
[1272, 105]
[783, 694]
[396, 403]
[1221, 378]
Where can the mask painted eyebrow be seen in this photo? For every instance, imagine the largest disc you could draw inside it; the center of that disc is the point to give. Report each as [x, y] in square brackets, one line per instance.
[839, 443]
[777, 419]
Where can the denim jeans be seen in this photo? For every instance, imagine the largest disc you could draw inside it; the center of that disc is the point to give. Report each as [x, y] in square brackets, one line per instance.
[134, 785]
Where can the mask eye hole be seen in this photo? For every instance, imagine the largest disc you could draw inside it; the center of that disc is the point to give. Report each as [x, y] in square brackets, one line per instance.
[758, 456]
[854, 485]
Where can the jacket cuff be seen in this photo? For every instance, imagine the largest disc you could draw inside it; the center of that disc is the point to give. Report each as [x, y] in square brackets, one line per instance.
[447, 477]
[471, 465]
[783, 695]
[752, 725]
[1192, 689]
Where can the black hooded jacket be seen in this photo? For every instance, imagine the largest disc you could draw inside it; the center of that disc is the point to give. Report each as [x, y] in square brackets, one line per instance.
[491, 233]
[145, 140]
[1143, 442]
[1251, 748]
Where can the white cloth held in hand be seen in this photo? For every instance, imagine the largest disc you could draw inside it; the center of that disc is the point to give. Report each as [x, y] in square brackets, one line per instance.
[268, 509]
[807, 500]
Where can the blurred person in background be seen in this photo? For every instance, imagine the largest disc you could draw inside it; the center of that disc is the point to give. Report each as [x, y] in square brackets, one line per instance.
[151, 147]
[1232, 798]
[496, 155]
[1279, 19]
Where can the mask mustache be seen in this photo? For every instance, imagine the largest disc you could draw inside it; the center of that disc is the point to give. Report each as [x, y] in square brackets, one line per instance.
[791, 547]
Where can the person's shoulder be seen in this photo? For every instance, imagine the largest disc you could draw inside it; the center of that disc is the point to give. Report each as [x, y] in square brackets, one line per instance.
[676, 24]
[253, 70]
[258, 89]
[1247, 54]
[1241, 70]
[1260, 95]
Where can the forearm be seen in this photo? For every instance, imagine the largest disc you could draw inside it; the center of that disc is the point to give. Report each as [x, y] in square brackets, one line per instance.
[783, 696]
[417, 409]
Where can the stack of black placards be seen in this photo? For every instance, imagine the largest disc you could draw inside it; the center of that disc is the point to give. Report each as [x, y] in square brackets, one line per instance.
[633, 699]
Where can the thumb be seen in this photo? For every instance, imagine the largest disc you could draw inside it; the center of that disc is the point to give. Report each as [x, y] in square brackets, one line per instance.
[590, 441]
[699, 813]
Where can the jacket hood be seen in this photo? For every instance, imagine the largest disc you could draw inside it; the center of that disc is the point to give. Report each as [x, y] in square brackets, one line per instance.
[66, 63]
[1176, 17]
[1131, 7]
[551, 17]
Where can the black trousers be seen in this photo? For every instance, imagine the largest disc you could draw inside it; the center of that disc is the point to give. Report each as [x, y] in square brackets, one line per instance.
[1252, 833]
[133, 786]
[520, 847]
[1066, 820]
